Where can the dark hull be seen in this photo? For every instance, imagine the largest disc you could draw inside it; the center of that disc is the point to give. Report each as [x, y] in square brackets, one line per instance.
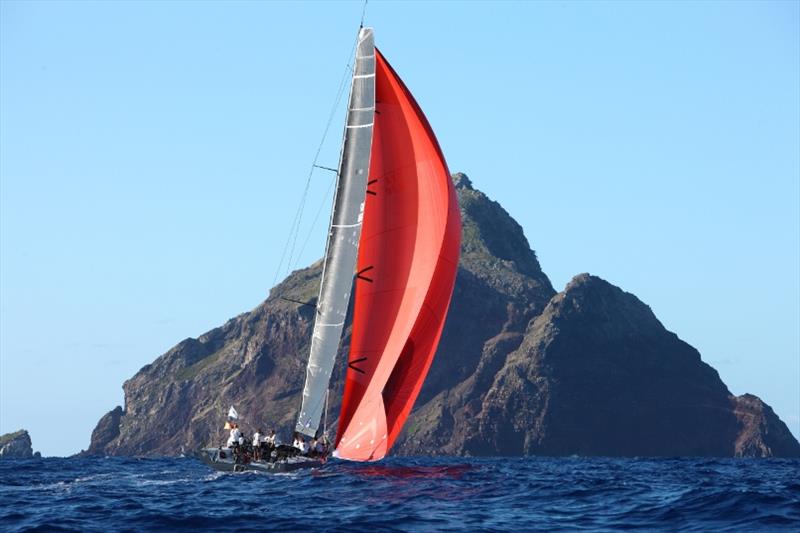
[211, 457]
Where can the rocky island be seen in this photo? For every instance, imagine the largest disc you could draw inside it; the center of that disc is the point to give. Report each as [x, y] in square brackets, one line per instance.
[17, 445]
[520, 370]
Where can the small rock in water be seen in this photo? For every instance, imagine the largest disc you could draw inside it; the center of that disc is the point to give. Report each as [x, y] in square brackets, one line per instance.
[17, 445]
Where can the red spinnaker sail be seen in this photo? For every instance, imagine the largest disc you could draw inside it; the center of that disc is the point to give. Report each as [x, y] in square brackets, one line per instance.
[408, 256]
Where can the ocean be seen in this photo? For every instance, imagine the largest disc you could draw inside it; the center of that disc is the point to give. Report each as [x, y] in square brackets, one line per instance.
[403, 494]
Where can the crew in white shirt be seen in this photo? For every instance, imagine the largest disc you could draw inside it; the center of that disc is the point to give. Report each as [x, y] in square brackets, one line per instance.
[257, 438]
[235, 435]
[300, 444]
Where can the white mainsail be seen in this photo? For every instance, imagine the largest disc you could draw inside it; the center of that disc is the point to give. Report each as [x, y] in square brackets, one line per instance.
[345, 230]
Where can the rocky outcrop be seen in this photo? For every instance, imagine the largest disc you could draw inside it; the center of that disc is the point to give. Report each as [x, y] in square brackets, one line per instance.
[105, 432]
[597, 374]
[17, 445]
[761, 433]
[519, 370]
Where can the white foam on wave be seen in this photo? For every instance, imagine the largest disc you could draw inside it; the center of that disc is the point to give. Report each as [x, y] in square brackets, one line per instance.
[146, 482]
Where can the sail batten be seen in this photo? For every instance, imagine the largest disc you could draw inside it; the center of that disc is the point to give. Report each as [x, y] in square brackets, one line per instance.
[343, 238]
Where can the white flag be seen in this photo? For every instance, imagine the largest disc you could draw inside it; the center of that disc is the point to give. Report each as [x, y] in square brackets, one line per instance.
[232, 413]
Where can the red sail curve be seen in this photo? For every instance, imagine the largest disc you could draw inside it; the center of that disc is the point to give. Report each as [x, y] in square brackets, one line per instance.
[408, 257]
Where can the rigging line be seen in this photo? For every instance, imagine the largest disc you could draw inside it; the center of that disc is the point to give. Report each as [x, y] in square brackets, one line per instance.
[351, 66]
[296, 230]
[286, 245]
[295, 227]
[342, 85]
[353, 55]
[363, 13]
[316, 219]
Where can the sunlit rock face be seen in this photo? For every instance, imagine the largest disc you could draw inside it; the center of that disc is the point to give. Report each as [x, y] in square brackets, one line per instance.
[520, 370]
[17, 445]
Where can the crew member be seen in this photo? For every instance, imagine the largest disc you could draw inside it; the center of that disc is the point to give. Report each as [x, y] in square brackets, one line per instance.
[234, 436]
[257, 438]
[312, 448]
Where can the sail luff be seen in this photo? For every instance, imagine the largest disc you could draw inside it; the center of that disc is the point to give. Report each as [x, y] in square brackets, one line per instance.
[343, 237]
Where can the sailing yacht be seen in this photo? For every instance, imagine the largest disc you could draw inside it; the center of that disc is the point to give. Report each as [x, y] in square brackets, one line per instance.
[393, 246]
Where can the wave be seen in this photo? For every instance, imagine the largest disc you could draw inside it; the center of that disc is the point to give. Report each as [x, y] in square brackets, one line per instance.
[404, 494]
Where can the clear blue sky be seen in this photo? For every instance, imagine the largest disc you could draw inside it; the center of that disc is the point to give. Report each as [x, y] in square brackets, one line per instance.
[152, 155]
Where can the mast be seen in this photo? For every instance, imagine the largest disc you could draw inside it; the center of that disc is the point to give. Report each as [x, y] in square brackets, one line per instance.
[325, 416]
[343, 237]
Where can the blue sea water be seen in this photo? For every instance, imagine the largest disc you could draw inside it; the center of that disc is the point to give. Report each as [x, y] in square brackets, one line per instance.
[403, 494]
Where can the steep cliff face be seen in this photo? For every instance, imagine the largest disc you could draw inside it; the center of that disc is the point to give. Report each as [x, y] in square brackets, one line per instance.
[255, 361]
[105, 432]
[519, 370]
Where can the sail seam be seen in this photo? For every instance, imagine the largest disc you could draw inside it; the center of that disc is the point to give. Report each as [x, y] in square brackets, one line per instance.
[360, 126]
[362, 76]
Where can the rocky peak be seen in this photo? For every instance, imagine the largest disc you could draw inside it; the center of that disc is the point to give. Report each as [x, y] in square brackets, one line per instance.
[492, 240]
[461, 181]
[591, 302]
